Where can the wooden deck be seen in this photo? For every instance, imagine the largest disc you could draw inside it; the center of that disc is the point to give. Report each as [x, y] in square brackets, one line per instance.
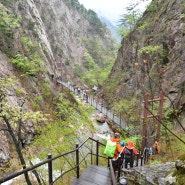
[94, 175]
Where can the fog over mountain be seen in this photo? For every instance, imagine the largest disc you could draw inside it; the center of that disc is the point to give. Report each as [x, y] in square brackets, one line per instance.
[111, 26]
[113, 9]
[110, 11]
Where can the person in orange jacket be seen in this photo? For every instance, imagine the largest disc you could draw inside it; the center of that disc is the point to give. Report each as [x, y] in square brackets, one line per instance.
[119, 148]
[129, 152]
[156, 147]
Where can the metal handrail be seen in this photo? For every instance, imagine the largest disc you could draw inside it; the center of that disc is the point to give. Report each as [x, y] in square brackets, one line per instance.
[50, 159]
[78, 162]
[121, 123]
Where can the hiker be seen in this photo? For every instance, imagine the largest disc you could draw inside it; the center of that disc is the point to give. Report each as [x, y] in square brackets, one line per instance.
[122, 143]
[116, 161]
[83, 94]
[122, 154]
[86, 96]
[118, 146]
[78, 91]
[156, 147]
[129, 152]
[149, 151]
[113, 149]
[74, 87]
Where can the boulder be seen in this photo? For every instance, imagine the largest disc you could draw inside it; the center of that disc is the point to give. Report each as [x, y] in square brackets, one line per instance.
[100, 117]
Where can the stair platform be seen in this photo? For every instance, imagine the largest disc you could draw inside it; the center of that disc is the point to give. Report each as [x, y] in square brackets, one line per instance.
[94, 175]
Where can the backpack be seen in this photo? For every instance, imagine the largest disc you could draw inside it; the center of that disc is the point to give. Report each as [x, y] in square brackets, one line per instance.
[110, 148]
[128, 153]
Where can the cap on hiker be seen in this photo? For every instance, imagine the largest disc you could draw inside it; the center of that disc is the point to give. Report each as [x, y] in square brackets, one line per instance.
[130, 145]
[122, 143]
[117, 134]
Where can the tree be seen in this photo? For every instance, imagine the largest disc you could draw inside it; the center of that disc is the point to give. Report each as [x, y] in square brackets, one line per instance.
[129, 20]
[12, 117]
[88, 61]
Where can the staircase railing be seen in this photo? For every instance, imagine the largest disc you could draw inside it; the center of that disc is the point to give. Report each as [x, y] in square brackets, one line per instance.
[112, 172]
[80, 154]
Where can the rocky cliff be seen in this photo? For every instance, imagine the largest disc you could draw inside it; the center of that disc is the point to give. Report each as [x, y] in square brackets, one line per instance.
[151, 58]
[40, 40]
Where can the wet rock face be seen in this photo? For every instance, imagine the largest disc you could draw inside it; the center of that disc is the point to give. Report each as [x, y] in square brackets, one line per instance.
[4, 150]
[6, 71]
[164, 29]
[179, 173]
[180, 165]
[152, 174]
[59, 30]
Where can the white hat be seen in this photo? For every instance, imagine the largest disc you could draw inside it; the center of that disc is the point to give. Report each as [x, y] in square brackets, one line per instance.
[123, 181]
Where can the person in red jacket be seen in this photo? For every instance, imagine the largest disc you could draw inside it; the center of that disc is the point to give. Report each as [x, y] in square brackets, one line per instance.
[129, 153]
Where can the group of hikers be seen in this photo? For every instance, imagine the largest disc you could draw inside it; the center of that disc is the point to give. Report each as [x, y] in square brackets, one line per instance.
[125, 152]
[81, 92]
[119, 150]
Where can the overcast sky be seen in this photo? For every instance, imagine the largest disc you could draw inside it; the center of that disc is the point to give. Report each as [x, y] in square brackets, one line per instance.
[111, 9]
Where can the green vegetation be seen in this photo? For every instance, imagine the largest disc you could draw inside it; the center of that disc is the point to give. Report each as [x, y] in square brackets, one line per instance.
[19, 92]
[149, 49]
[88, 61]
[97, 58]
[7, 3]
[97, 75]
[30, 64]
[60, 134]
[8, 22]
[96, 51]
[90, 15]
[129, 20]
[154, 6]
[36, 103]
[136, 140]
[28, 59]
[24, 64]
[13, 116]
[111, 87]
[97, 61]
[127, 25]
[8, 25]
[128, 107]
[143, 26]
[182, 15]
[45, 90]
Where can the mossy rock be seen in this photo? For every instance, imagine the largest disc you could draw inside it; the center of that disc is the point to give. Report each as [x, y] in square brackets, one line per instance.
[182, 157]
[180, 179]
[180, 173]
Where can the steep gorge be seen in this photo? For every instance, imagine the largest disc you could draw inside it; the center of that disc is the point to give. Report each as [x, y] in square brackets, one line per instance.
[150, 60]
[52, 32]
[41, 40]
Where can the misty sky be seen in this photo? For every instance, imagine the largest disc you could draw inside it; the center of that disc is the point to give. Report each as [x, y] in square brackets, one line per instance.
[112, 9]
